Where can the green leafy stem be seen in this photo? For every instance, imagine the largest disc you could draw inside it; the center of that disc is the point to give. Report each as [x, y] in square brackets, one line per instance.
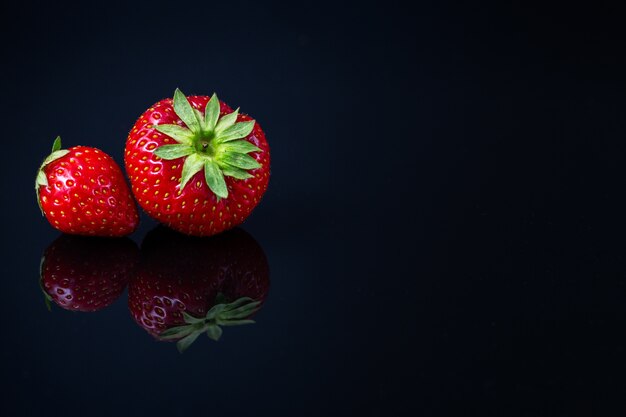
[209, 142]
[223, 314]
[41, 180]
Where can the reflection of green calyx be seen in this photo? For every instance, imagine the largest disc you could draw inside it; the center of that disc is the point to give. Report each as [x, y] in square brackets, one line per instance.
[47, 298]
[209, 142]
[224, 314]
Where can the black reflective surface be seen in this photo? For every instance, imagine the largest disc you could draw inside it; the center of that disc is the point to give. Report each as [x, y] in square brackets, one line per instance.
[443, 228]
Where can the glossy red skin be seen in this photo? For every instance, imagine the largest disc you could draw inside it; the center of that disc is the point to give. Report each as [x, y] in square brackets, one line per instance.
[181, 273]
[196, 210]
[87, 194]
[87, 274]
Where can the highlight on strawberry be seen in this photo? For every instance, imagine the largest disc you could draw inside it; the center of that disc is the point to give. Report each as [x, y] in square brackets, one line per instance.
[87, 274]
[196, 165]
[189, 286]
[82, 191]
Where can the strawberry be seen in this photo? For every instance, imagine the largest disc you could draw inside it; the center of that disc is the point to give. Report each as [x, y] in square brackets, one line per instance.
[83, 191]
[186, 286]
[196, 165]
[87, 273]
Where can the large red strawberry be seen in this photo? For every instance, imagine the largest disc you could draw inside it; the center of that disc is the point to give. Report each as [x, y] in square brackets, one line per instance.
[81, 190]
[87, 273]
[187, 286]
[196, 165]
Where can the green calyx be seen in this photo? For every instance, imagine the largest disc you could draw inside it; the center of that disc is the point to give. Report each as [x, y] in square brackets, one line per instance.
[209, 142]
[222, 314]
[55, 154]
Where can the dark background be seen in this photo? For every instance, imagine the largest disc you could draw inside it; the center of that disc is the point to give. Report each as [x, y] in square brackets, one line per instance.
[444, 223]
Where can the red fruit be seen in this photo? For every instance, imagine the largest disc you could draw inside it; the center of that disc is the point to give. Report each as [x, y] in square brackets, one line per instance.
[82, 191]
[87, 273]
[187, 286]
[197, 166]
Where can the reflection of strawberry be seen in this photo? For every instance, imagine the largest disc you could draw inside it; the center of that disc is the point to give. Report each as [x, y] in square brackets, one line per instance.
[87, 273]
[187, 286]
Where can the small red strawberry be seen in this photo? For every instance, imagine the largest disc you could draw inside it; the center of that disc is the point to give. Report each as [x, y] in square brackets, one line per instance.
[196, 165]
[82, 191]
[87, 273]
[187, 286]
